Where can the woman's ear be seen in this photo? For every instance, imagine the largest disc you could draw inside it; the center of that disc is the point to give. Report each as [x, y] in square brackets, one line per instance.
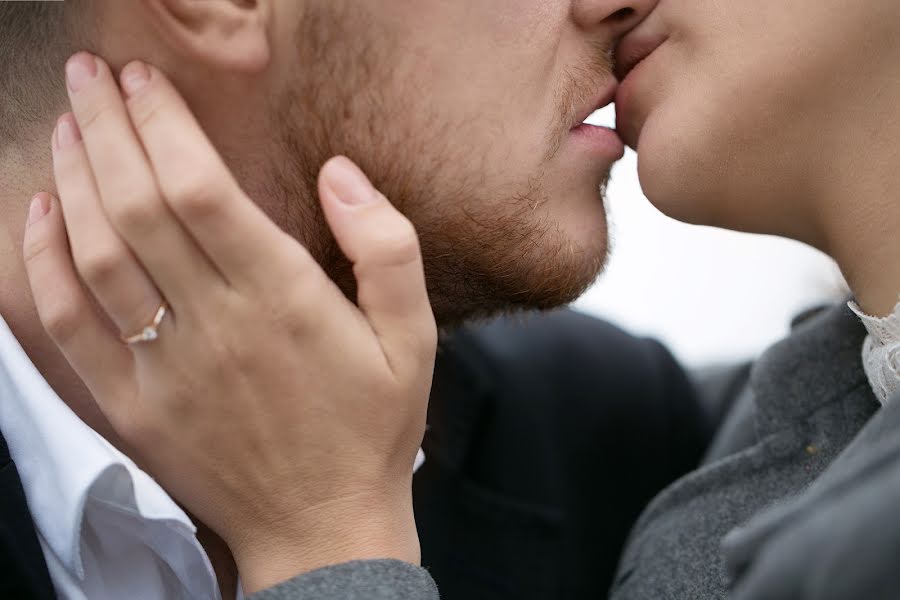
[225, 34]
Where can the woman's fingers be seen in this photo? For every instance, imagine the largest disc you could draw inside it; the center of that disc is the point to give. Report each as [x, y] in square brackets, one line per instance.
[234, 233]
[384, 249]
[105, 263]
[65, 309]
[126, 185]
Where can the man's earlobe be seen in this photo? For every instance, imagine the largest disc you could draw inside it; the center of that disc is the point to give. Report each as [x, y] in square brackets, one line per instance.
[226, 34]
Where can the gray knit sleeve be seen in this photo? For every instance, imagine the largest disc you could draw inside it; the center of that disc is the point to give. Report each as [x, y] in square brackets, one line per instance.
[359, 580]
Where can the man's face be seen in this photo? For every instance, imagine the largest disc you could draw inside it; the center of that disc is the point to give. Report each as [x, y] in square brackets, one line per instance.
[746, 109]
[466, 115]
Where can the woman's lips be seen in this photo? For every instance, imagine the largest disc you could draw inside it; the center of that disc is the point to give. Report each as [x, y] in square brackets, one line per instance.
[633, 49]
[634, 52]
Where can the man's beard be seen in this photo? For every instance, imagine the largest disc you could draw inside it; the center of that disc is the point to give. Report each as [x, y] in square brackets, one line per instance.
[353, 96]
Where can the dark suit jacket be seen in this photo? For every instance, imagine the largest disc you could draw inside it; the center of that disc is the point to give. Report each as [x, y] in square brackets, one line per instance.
[23, 572]
[548, 435]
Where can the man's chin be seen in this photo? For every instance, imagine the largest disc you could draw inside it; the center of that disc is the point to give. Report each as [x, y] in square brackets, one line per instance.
[562, 277]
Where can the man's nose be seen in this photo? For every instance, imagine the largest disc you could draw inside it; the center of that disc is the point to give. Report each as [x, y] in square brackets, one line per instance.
[616, 17]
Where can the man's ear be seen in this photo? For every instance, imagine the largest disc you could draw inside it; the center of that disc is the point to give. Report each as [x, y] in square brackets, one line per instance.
[225, 34]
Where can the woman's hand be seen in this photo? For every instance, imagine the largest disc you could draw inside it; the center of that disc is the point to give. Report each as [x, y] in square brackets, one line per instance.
[280, 414]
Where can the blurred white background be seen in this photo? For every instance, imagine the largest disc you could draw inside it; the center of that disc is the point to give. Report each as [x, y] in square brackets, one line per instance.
[712, 296]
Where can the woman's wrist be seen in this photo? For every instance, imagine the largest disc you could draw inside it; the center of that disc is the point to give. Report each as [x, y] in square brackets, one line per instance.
[339, 533]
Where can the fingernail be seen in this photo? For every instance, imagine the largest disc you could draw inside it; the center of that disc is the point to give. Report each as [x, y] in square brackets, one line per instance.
[134, 77]
[80, 69]
[67, 132]
[40, 206]
[349, 183]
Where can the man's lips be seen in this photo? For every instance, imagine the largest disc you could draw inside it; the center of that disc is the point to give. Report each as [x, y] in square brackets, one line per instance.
[600, 142]
[602, 100]
[633, 49]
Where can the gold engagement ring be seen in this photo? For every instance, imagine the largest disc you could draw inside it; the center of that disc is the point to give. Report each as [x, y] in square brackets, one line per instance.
[151, 331]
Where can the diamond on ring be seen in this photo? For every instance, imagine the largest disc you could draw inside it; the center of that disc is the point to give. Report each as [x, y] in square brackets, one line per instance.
[151, 331]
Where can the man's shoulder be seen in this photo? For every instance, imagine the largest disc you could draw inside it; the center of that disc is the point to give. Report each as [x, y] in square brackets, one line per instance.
[526, 367]
[564, 326]
[562, 345]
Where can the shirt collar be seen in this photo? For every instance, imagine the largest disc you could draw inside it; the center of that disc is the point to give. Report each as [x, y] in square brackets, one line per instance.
[63, 463]
[881, 351]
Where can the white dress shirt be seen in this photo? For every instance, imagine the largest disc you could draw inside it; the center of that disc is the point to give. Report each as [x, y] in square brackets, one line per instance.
[881, 352]
[107, 529]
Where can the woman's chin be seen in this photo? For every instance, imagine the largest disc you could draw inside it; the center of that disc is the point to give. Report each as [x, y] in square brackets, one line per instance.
[670, 182]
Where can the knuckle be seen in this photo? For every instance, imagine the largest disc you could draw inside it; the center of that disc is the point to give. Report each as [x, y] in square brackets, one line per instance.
[227, 350]
[100, 267]
[310, 291]
[231, 357]
[284, 316]
[286, 320]
[92, 114]
[145, 109]
[135, 214]
[34, 248]
[194, 197]
[61, 321]
[397, 243]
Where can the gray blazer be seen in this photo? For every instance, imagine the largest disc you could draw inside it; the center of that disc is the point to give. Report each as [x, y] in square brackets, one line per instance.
[797, 500]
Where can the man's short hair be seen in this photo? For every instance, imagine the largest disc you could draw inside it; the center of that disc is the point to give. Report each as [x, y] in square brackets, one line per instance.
[36, 38]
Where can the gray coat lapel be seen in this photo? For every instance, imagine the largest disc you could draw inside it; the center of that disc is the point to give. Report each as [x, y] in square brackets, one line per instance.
[839, 539]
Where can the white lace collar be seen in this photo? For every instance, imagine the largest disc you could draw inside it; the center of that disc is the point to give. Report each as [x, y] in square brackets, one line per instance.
[881, 352]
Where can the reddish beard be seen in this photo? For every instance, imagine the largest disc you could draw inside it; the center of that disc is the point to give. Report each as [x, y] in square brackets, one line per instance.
[483, 253]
